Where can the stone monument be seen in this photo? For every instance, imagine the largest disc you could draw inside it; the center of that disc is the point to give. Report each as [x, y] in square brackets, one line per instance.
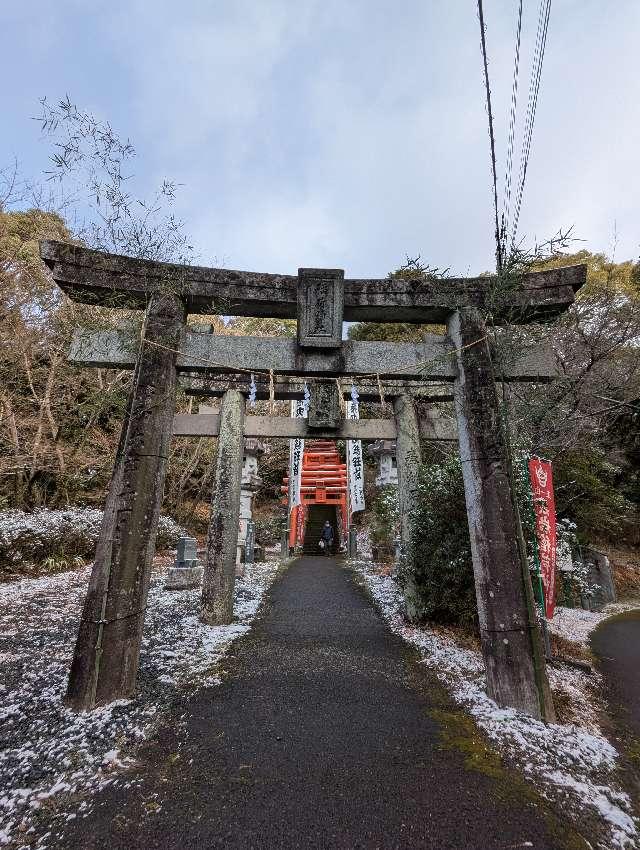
[186, 571]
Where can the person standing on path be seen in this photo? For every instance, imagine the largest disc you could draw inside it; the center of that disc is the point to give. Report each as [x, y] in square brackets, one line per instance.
[326, 538]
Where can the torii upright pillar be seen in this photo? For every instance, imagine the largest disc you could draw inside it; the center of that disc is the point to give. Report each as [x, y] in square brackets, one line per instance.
[408, 458]
[105, 661]
[511, 644]
[220, 565]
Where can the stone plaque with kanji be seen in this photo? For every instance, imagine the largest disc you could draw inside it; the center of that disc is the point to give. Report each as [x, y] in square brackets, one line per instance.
[320, 307]
[324, 406]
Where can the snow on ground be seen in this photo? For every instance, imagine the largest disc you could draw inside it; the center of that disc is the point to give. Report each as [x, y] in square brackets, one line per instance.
[52, 756]
[576, 624]
[573, 762]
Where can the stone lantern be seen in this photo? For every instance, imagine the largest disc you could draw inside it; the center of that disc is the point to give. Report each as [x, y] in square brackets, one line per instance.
[385, 452]
[250, 482]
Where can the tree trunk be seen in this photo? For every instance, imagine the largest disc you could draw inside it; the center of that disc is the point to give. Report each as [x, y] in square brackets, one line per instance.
[11, 426]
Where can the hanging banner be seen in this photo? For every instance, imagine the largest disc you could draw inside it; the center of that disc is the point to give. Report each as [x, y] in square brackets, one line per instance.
[544, 508]
[296, 452]
[355, 468]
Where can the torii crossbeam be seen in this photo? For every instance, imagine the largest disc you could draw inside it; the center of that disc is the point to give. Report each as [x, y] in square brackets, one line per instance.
[94, 277]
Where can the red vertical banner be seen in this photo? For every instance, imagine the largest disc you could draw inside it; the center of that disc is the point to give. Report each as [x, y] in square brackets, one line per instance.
[544, 507]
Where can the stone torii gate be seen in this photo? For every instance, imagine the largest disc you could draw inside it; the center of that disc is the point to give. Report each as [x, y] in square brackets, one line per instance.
[433, 427]
[107, 650]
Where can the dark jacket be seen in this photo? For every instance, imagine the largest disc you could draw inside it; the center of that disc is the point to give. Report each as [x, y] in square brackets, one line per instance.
[327, 534]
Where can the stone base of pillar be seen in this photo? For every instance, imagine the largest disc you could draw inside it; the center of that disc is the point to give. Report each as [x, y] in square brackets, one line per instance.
[183, 578]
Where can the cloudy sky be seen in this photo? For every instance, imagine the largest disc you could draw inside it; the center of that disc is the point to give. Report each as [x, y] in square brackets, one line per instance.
[341, 133]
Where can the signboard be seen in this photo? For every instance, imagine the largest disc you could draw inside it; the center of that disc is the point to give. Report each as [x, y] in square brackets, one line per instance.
[544, 507]
[320, 296]
[355, 468]
[296, 452]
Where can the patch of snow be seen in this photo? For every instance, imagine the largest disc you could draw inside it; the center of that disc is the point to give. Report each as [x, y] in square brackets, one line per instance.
[575, 760]
[49, 750]
[29, 537]
[576, 624]
[583, 692]
[363, 537]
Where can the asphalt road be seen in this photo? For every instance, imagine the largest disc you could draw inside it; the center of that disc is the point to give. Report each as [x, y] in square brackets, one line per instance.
[326, 733]
[617, 644]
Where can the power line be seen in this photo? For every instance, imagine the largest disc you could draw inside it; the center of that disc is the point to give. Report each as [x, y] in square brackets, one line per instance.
[534, 88]
[506, 207]
[483, 45]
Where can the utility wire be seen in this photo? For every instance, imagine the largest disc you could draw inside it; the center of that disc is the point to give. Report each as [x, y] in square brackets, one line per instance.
[527, 121]
[483, 45]
[534, 88]
[506, 206]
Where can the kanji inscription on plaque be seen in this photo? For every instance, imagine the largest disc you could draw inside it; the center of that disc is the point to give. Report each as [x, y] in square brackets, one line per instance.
[320, 307]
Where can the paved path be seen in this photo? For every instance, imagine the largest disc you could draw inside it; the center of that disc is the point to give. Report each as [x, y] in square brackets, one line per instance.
[322, 736]
[617, 643]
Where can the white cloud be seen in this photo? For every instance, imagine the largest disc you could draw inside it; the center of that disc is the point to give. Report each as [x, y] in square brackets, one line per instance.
[351, 133]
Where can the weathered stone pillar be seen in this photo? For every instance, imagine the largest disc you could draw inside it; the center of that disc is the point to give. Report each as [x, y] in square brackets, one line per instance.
[105, 662]
[408, 458]
[220, 566]
[511, 645]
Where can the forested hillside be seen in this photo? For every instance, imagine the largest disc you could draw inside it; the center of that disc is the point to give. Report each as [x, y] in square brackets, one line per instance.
[588, 421]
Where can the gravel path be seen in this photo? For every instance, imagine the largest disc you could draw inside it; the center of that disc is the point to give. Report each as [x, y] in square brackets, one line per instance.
[325, 733]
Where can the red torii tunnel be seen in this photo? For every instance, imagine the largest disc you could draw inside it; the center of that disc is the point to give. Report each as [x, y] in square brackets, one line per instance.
[323, 482]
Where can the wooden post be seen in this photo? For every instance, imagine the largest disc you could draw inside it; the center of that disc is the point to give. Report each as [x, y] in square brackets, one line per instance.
[219, 570]
[105, 662]
[408, 459]
[511, 645]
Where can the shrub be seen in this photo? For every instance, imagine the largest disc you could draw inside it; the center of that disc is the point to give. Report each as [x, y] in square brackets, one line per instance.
[58, 539]
[268, 529]
[437, 573]
[589, 491]
[385, 522]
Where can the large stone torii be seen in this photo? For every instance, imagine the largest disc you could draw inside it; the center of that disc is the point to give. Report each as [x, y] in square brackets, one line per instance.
[107, 650]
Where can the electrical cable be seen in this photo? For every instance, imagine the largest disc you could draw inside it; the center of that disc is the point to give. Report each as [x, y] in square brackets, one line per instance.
[483, 45]
[506, 206]
[534, 88]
